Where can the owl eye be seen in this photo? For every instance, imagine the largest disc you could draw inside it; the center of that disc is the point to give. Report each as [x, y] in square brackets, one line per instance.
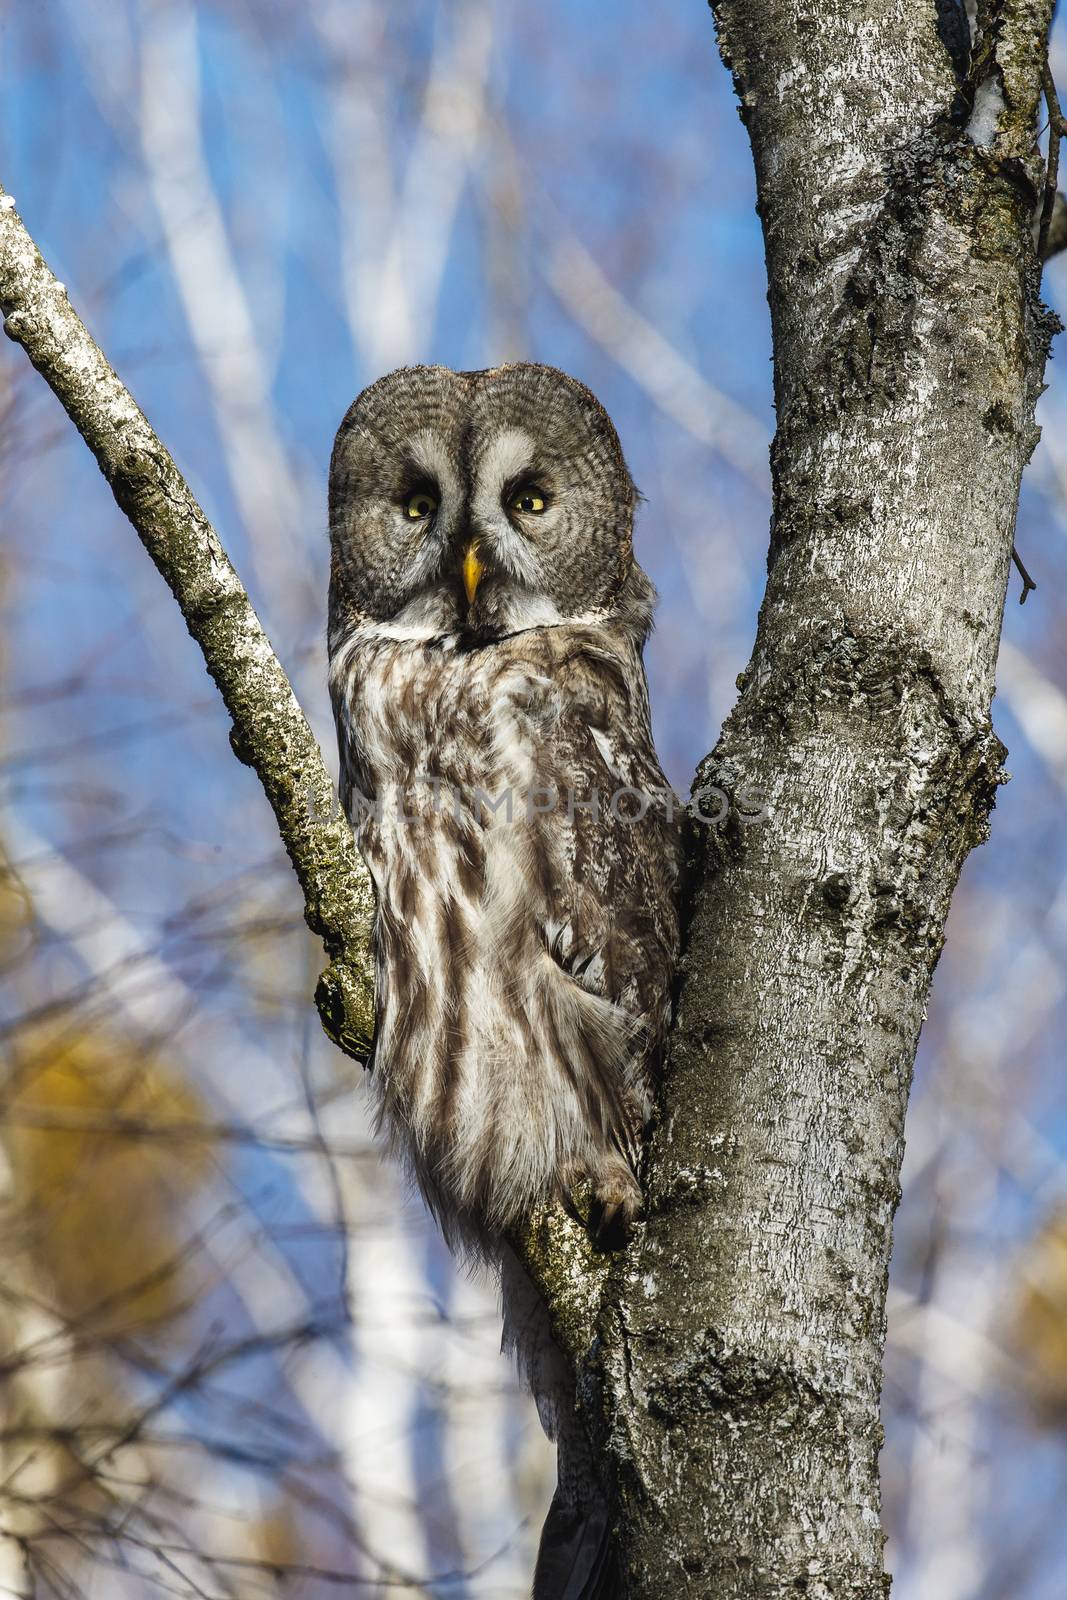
[420, 506]
[528, 500]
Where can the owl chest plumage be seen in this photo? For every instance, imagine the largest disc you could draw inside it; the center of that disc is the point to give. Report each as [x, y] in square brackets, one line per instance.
[525, 924]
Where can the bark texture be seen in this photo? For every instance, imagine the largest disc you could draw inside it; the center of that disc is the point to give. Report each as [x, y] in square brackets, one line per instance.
[736, 1378]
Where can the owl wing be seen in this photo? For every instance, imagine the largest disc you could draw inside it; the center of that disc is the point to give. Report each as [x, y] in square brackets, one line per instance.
[614, 926]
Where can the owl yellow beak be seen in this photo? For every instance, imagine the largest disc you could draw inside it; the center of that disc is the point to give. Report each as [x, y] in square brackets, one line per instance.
[473, 568]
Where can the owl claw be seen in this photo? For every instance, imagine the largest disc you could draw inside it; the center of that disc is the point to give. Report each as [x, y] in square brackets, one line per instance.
[609, 1222]
[611, 1214]
[605, 1212]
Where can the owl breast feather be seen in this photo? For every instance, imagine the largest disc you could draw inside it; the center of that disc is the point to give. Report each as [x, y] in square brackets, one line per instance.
[526, 928]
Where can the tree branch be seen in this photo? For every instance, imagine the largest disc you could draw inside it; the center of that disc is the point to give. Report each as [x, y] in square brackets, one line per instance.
[269, 732]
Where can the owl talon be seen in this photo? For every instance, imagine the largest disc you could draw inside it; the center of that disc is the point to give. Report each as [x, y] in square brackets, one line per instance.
[611, 1215]
[611, 1226]
[610, 1221]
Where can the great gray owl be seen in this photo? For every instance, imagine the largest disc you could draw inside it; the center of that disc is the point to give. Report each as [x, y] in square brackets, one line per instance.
[486, 628]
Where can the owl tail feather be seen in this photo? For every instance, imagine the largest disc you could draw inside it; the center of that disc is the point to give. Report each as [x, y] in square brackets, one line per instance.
[577, 1558]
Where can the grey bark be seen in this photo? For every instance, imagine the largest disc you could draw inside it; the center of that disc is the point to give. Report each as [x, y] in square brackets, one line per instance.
[730, 1358]
[737, 1375]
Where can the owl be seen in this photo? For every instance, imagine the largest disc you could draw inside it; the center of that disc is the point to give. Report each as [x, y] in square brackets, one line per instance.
[487, 620]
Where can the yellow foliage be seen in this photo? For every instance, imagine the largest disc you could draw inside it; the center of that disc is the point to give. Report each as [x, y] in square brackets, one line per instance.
[99, 1189]
[1041, 1318]
[277, 1536]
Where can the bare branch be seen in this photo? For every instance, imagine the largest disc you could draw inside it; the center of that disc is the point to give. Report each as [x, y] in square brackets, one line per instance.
[270, 732]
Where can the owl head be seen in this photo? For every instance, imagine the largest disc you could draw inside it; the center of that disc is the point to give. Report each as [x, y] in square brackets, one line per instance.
[479, 504]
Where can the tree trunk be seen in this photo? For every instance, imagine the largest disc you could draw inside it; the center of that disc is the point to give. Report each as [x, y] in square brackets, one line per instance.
[735, 1385]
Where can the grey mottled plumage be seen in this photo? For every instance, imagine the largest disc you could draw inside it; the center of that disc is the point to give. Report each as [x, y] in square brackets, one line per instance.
[487, 620]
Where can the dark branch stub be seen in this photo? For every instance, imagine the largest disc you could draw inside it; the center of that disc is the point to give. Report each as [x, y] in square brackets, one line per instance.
[1028, 582]
[1056, 129]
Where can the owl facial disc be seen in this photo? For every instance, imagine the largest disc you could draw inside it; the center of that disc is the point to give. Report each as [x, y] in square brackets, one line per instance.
[480, 504]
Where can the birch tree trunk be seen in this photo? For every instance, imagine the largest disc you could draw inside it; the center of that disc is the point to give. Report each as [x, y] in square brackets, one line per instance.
[736, 1381]
[730, 1358]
